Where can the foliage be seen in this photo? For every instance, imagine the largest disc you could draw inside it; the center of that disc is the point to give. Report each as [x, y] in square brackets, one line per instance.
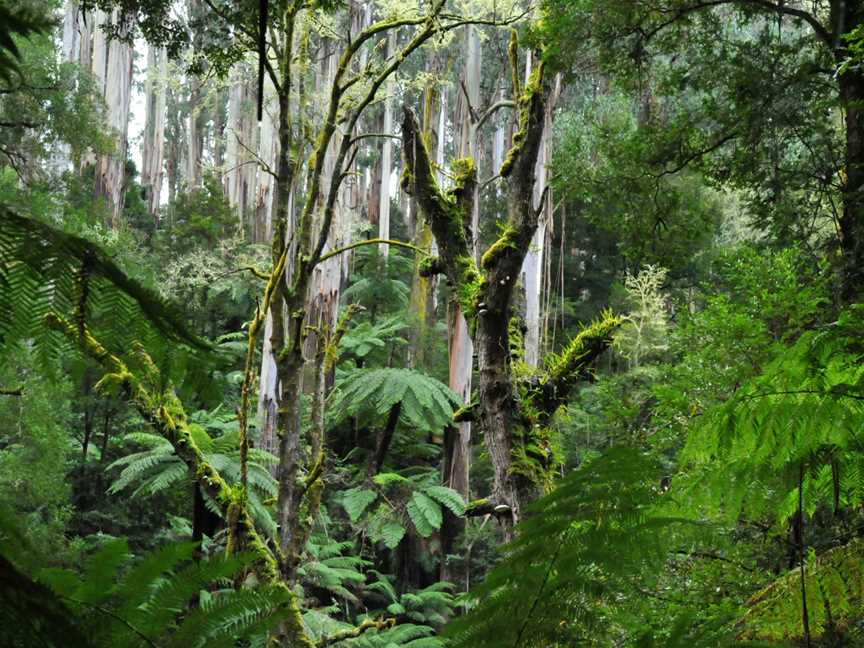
[157, 468]
[47, 270]
[801, 414]
[366, 338]
[401, 499]
[115, 603]
[379, 284]
[35, 450]
[659, 219]
[646, 330]
[834, 595]
[19, 22]
[426, 404]
[599, 533]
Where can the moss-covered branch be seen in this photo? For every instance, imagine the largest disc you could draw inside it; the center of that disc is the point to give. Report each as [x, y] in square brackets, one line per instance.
[577, 359]
[164, 412]
[368, 624]
[448, 213]
[375, 241]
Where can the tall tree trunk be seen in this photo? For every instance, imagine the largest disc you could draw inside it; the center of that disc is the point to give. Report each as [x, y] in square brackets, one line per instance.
[852, 220]
[153, 146]
[532, 267]
[262, 231]
[241, 138]
[423, 289]
[195, 119]
[457, 459]
[386, 157]
[485, 290]
[174, 142]
[111, 65]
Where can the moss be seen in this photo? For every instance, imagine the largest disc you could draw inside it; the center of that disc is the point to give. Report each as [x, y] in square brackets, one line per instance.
[464, 171]
[573, 361]
[464, 413]
[476, 504]
[526, 99]
[430, 266]
[406, 180]
[513, 55]
[470, 285]
[506, 241]
[535, 456]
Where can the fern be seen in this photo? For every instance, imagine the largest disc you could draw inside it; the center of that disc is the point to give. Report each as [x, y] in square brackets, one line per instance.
[366, 337]
[425, 513]
[356, 500]
[834, 583]
[389, 533]
[578, 553]
[427, 404]
[113, 604]
[158, 469]
[447, 497]
[43, 269]
[804, 411]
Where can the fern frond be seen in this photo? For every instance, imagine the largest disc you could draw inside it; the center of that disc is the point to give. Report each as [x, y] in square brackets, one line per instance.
[41, 269]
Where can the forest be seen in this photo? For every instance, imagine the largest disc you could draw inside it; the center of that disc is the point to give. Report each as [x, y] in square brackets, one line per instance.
[431, 323]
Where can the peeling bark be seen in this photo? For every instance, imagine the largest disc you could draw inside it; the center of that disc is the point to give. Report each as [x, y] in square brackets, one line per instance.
[110, 62]
[153, 146]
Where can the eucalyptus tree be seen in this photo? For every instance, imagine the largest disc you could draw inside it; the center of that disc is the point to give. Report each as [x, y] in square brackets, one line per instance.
[754, 93]
[282, 36]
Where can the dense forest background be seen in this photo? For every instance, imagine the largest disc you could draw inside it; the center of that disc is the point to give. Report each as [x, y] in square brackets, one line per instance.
[423, 323]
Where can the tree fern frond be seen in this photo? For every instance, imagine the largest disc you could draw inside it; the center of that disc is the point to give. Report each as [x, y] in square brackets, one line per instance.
[585, 541]
[427, 403]
[834, 583]
[38, 267]
[170, 475]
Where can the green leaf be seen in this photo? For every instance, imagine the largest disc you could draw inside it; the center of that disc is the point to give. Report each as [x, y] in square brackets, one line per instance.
[448, 497]
[385, 479]
[356, 500]
[391, 534]
[395, 608]
[425, 513]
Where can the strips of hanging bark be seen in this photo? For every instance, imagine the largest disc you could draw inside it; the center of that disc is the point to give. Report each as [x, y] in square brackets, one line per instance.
[112, 67]
[153, 146]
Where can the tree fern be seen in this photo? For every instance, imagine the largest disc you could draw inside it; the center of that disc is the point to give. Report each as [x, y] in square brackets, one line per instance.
[578, 551]
[425, 513]
[834, 585]
[413, 499]
[427, 404]
[366, 337]
[114, 604]
[43, 269]
[804, 411]
[157, 468]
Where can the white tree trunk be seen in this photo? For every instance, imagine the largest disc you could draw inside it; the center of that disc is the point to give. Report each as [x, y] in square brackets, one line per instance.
[461, 347]
[257, 192]
[71, 32]
[153, 146]
[532, 266]
[111, 66]
[241, 134]
[386, 157]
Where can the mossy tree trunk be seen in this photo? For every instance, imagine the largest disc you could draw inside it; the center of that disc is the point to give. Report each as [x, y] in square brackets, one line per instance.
[511, 414]
[303, 246]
